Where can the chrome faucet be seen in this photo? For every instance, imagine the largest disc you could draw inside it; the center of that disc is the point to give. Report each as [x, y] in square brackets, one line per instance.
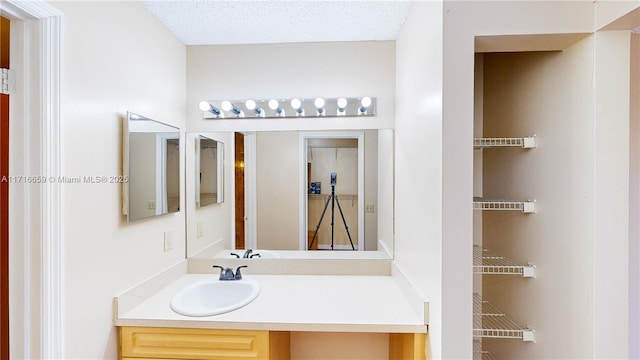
[227, 273]
[247, 254]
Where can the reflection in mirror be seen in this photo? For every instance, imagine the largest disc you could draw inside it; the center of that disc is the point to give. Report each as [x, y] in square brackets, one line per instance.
[334, 170]
[209, 171]
[276, 194]
[152, 165]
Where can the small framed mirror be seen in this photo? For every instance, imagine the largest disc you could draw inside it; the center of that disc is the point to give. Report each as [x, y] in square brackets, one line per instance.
[151, 163]
[209, 165]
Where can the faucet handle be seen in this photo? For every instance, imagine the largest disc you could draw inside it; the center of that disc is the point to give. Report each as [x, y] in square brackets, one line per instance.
[238, 275]
[225, 273]
[255, 255]
[236, 255]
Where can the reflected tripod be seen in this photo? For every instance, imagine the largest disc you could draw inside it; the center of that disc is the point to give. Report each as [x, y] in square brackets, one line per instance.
[333, 198]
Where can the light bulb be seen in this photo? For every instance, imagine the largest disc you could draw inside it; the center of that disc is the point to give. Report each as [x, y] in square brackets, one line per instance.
[250, 104]
[273, 104]
[342, 104]
[296, 104]
[365, 102]
[319, 103]
[205, 106]
[226, 105]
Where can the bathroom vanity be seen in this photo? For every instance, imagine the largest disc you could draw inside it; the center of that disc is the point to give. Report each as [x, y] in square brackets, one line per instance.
[178, 343]
[263, 329]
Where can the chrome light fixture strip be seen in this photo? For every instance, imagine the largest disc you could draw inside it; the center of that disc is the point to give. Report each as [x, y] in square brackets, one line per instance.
[288, 108]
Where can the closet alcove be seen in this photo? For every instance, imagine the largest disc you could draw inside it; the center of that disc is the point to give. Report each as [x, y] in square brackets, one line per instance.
[531, 201]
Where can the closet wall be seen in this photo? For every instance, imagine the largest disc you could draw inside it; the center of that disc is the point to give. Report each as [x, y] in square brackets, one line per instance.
[547, 94]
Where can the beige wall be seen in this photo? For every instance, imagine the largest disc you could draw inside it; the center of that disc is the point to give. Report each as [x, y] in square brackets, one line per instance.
[108, 69]
[339, 346]
[542, 94]
[277, 184]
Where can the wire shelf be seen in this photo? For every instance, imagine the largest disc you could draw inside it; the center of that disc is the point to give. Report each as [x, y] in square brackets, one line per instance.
[526, 207]
[488, 263]
[479, 353]
[523, 142]
[489, 322]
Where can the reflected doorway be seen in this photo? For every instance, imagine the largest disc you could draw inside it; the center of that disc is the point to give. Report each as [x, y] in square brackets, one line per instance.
[240, 218]
[333, 191]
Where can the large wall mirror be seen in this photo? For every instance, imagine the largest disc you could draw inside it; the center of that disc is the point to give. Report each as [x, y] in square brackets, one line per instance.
[151, 162]
[279, 182]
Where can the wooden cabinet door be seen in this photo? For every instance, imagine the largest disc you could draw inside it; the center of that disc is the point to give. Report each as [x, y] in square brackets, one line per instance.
[165, 343]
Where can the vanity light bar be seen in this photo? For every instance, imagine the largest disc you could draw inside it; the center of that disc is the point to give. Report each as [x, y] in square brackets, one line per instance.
[288, 108]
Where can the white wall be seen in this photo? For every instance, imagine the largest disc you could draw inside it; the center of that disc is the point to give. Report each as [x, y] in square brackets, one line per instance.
[216, 220]
[418, 160]
[287, 71]
[142, 168]
[116, 58]
[611, 194]
[478, 119]
[634, 201]
[304, 70]
[385, 197]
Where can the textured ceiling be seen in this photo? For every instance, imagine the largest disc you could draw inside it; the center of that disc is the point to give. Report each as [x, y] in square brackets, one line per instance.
[199, 22]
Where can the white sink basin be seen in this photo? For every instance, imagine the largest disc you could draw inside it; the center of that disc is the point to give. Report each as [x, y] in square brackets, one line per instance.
[212, 296]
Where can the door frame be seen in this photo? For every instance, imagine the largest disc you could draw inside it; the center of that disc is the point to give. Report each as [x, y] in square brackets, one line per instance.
[302, 187]
[250, 196]
[36, 232]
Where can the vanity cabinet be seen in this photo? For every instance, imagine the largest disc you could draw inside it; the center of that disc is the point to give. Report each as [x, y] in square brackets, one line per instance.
[210, 344]
[177, 343]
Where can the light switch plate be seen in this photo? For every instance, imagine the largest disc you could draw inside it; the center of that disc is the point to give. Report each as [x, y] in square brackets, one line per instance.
[369, 208]
[168, 240]
[200, 230]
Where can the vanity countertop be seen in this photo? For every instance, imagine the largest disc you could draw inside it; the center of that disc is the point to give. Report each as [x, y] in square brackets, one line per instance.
[294, 303]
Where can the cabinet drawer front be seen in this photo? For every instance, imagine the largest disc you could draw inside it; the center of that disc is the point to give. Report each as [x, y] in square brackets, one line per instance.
[165, 343]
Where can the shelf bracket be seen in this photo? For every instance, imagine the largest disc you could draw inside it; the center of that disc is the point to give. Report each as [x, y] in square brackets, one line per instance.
[529, 142]
[529, 271]
[528, 334]
[529, 207]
